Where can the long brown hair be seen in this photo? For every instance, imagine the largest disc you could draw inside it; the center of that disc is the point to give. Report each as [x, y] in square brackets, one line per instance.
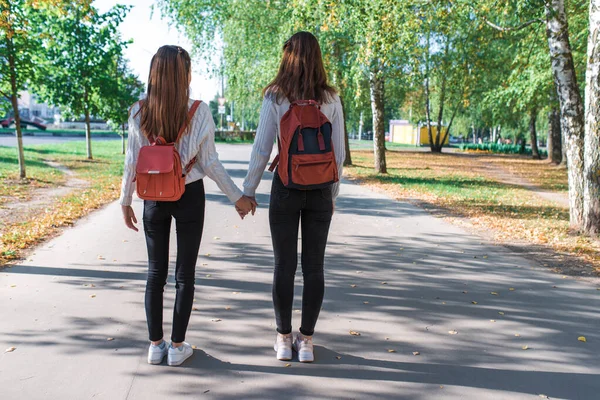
[165, 109]
[301, 73]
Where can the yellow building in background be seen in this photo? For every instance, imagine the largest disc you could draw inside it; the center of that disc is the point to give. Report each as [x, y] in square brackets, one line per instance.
[403, 132]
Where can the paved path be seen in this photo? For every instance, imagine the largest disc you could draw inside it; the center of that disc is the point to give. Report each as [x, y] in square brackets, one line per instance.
[87, 285]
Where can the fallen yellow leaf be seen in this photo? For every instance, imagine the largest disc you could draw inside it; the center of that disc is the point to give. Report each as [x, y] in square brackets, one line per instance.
[391, 351]
[525, 347]
[354, 333]
[352, 286]
[92, 295]
[338, 357]
[517, 335]
[582, 339]
[473, 302]
[384, 283]
[228, 308]
[511, 289]
[365, 302]
[13, 285]
[288, 365]
[494, 294]
[216, 238]
[500, 312]
[110, 339]
[453, 332]
[10, 350]
[194, 347]
[216, 320]
[416, 353]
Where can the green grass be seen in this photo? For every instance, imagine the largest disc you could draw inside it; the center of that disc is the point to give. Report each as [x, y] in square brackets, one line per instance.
[61, 132]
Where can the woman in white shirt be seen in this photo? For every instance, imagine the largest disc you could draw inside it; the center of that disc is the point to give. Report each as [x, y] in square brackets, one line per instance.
[165, 111]
[301, 76]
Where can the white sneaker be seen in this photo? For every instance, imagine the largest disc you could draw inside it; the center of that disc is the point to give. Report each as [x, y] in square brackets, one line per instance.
[177, 355]
[157, 353]
[283, 347]
[304, 346]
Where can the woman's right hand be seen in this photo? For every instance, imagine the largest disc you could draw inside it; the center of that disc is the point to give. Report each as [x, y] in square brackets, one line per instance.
[129, 217]
[245, 205]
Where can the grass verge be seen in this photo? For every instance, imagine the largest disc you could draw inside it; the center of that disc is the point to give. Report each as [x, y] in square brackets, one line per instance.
[453, 183]
[103, 175]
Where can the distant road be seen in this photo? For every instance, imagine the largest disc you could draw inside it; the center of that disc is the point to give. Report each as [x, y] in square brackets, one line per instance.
[9, 140]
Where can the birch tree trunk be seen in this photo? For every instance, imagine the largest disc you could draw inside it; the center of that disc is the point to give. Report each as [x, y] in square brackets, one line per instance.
[591, 192]
[571, 105]
[376, 85]
[14, 99]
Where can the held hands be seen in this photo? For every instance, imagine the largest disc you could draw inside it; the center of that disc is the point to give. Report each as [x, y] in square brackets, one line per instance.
[129, 217]
[246, 205]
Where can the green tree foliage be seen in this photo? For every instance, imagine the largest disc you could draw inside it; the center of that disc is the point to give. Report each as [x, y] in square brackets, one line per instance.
[81, 47]
[20, 46]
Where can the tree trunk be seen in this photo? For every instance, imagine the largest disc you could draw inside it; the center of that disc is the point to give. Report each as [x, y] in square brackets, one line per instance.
[88, 127]
[348, 158]
[427, 93]
[376, 84]
[122, 138]
[360, 126]
[535, 154]
[554, 136]
[437, 148]
[14, 99]
[571, 105]
[591, 191]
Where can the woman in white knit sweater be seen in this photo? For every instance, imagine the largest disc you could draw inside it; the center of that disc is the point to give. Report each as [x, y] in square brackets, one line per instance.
[301, 76]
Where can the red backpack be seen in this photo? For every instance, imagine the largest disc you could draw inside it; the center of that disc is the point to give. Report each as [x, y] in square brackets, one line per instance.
[159, 174]
[306, 156]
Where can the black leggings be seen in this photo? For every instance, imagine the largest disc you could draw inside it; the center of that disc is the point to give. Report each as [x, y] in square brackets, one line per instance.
[189, 222]
[289, 207]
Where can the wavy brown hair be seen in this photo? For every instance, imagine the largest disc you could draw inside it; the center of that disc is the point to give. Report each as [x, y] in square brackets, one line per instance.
[301, 73]
[165, 109]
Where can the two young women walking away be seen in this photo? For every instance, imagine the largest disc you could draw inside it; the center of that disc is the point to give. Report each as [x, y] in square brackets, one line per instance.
[170, 150]
[304, 113]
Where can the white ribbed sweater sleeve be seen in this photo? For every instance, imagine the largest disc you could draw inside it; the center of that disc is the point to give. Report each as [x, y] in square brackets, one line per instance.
[133, 149]
[266, 132]
[209, 158]
[339, 145]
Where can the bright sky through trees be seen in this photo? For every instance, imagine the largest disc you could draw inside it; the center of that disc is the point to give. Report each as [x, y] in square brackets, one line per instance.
[149, 32]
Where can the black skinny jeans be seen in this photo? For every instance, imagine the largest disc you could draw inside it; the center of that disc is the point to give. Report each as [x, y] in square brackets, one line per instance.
[288, 208]
[189, 222]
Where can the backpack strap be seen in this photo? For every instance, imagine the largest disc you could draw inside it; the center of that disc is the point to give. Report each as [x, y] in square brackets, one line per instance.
[191, 113]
